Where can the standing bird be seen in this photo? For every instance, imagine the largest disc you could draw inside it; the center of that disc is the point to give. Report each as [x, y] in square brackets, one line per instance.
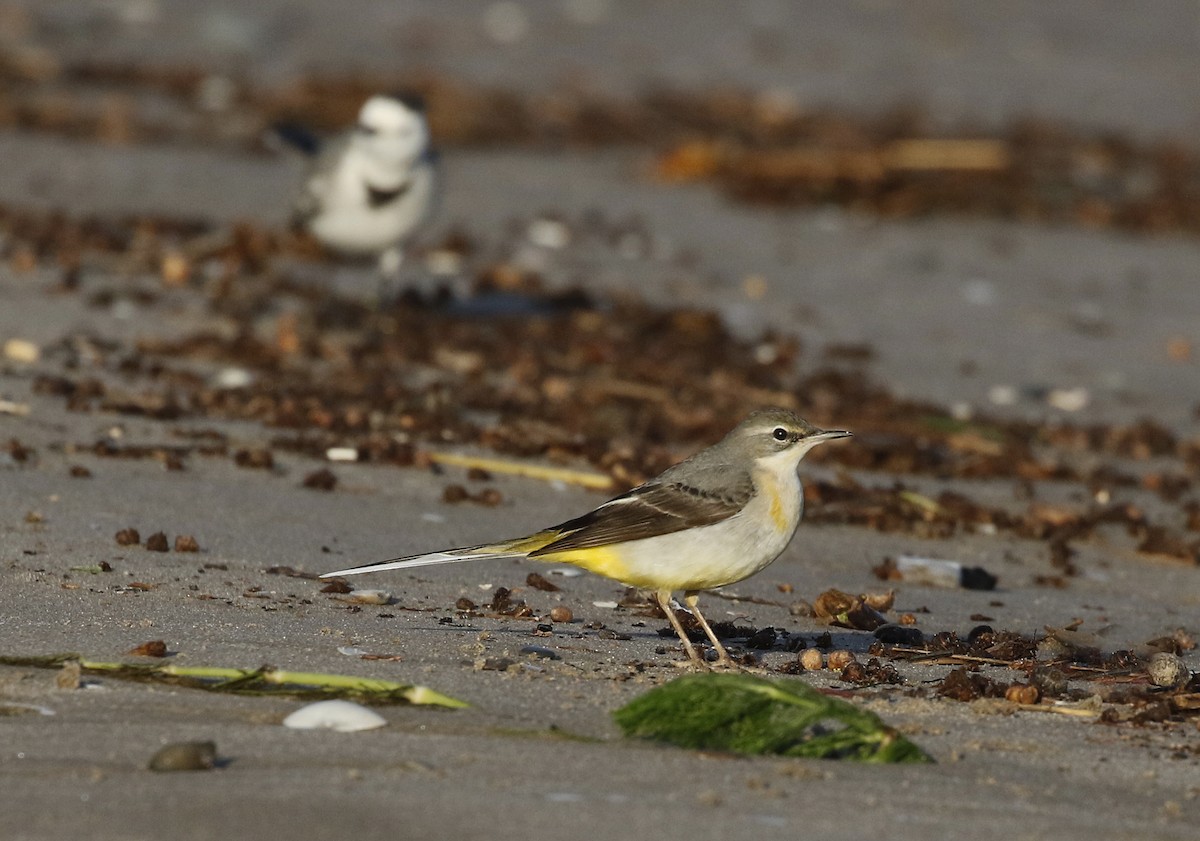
[371, 187]
[716, 518]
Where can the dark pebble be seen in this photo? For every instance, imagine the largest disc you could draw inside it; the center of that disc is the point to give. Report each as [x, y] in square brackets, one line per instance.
[899, 635]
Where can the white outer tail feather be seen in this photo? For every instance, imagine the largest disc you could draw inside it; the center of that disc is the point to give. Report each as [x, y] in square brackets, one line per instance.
[432, 559]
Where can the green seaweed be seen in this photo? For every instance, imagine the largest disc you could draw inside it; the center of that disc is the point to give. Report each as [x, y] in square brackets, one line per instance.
[752, 715]
[266, 680]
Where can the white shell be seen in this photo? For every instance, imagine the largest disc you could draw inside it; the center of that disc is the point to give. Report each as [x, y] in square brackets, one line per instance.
[342, 716]
[369, 597]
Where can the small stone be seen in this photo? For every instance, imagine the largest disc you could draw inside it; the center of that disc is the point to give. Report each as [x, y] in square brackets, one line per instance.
[1167, 670]
[464, 603]
[128, 537]
[1022, 693]
[812, 660]
[185, 756]
[561, 613]
[840, 659]
[186, 543]
[157, 542]
[78, 471]
[541, 651]
[452, 494]
[489, 497]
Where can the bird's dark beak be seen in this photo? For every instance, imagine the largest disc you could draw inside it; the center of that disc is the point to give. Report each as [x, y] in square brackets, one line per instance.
[829, 435]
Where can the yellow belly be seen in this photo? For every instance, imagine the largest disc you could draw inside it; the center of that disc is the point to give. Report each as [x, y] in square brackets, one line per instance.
[604, 560]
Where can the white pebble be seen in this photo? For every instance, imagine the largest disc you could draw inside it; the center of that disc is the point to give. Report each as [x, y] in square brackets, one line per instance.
[342, 716]
[8, 407]
[566, 572]
[342, 454]
[21, 350]
[233, 378]
[608, 605]
[548, 233]
[1069, 399]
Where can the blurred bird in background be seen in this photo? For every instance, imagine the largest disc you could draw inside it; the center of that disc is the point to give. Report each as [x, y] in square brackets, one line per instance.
[371, 187]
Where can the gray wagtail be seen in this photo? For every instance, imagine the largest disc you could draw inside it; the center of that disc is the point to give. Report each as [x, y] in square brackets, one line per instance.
[716, 518]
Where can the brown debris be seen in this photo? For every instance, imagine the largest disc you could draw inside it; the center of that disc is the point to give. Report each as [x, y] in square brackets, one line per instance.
[128, 537]
[538, 582]
[186, 543]
[254, 459]
[157, 542]
[321, 480]
[847, 611]
[153, 648]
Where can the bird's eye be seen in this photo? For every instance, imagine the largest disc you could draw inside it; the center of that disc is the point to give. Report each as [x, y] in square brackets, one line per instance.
[780, 434]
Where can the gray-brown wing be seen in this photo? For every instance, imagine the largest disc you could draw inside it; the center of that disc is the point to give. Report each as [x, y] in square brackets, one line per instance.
[649, 511]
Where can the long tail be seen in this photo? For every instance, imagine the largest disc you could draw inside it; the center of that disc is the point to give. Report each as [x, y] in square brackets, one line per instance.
[452, 556]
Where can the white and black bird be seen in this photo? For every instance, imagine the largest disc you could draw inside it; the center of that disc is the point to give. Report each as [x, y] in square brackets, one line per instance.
[370, 188]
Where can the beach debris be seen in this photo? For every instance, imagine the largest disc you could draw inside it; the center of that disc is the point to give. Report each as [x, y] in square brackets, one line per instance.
[321, 480]
[153, 648]
[545, 473]
[185, 756]
[861, 612]
[341, 716]
[254, 459]
[10, 407]
[1167, 670]
[933, 572]
[128, 537]
[157, 542]
[266, 680]
[369, 597]
[753, 715]
[561, 613]
[186, 543]
[538, 582]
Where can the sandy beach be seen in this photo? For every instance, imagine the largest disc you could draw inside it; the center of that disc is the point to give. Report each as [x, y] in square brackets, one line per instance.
[1033, 352]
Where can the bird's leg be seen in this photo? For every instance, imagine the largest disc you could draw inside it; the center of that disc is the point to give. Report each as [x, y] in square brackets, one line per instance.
[692, 598]
[390, 262]
[664, 601]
